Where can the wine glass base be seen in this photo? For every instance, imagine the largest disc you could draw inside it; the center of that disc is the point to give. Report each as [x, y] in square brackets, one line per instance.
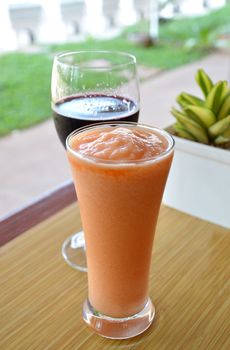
[73, 251]
[119, 328]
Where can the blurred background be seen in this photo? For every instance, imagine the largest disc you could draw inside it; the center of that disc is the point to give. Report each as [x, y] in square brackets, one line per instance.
[164, 35]
[29, 22]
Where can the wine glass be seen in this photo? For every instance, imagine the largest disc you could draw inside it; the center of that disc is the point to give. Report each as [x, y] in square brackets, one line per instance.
[89, 87]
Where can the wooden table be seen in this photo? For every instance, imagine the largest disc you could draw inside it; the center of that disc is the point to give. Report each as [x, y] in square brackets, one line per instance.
[41, 297]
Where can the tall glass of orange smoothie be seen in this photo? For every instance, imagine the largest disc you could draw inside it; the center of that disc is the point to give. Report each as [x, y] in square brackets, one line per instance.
[119, 171]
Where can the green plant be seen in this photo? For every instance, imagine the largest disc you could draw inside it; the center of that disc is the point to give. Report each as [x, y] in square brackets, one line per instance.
[204, 120]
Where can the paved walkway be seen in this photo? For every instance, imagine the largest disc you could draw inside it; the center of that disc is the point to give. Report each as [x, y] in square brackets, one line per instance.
[33, 161]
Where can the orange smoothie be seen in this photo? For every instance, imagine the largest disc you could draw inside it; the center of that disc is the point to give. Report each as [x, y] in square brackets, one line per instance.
[120, 174]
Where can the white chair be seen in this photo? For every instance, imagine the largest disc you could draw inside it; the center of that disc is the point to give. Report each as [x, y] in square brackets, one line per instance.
[73, 13]
[110, 10]
[142, 7]
[26, 18]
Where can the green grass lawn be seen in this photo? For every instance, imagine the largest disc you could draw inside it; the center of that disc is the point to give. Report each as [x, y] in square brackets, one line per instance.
[25, 78]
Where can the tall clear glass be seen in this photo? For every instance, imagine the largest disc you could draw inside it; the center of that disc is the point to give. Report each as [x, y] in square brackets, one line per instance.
[119, 204]
[89, 87]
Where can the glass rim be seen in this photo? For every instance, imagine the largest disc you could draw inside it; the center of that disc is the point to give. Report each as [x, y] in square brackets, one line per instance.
[118, 162]
[132, 59]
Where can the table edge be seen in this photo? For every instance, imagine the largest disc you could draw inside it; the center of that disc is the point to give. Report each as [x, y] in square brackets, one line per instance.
[41, 209]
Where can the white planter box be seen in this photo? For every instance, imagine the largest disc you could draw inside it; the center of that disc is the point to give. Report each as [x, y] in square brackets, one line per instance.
[199, 182]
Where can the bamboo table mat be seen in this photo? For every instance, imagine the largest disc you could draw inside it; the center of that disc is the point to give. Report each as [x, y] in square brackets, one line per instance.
[41, 297]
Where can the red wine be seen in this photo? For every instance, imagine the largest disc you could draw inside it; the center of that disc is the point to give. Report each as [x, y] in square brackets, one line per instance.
[74, 112]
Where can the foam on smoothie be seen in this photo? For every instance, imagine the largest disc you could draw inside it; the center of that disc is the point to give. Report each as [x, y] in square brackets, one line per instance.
[119, 143]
